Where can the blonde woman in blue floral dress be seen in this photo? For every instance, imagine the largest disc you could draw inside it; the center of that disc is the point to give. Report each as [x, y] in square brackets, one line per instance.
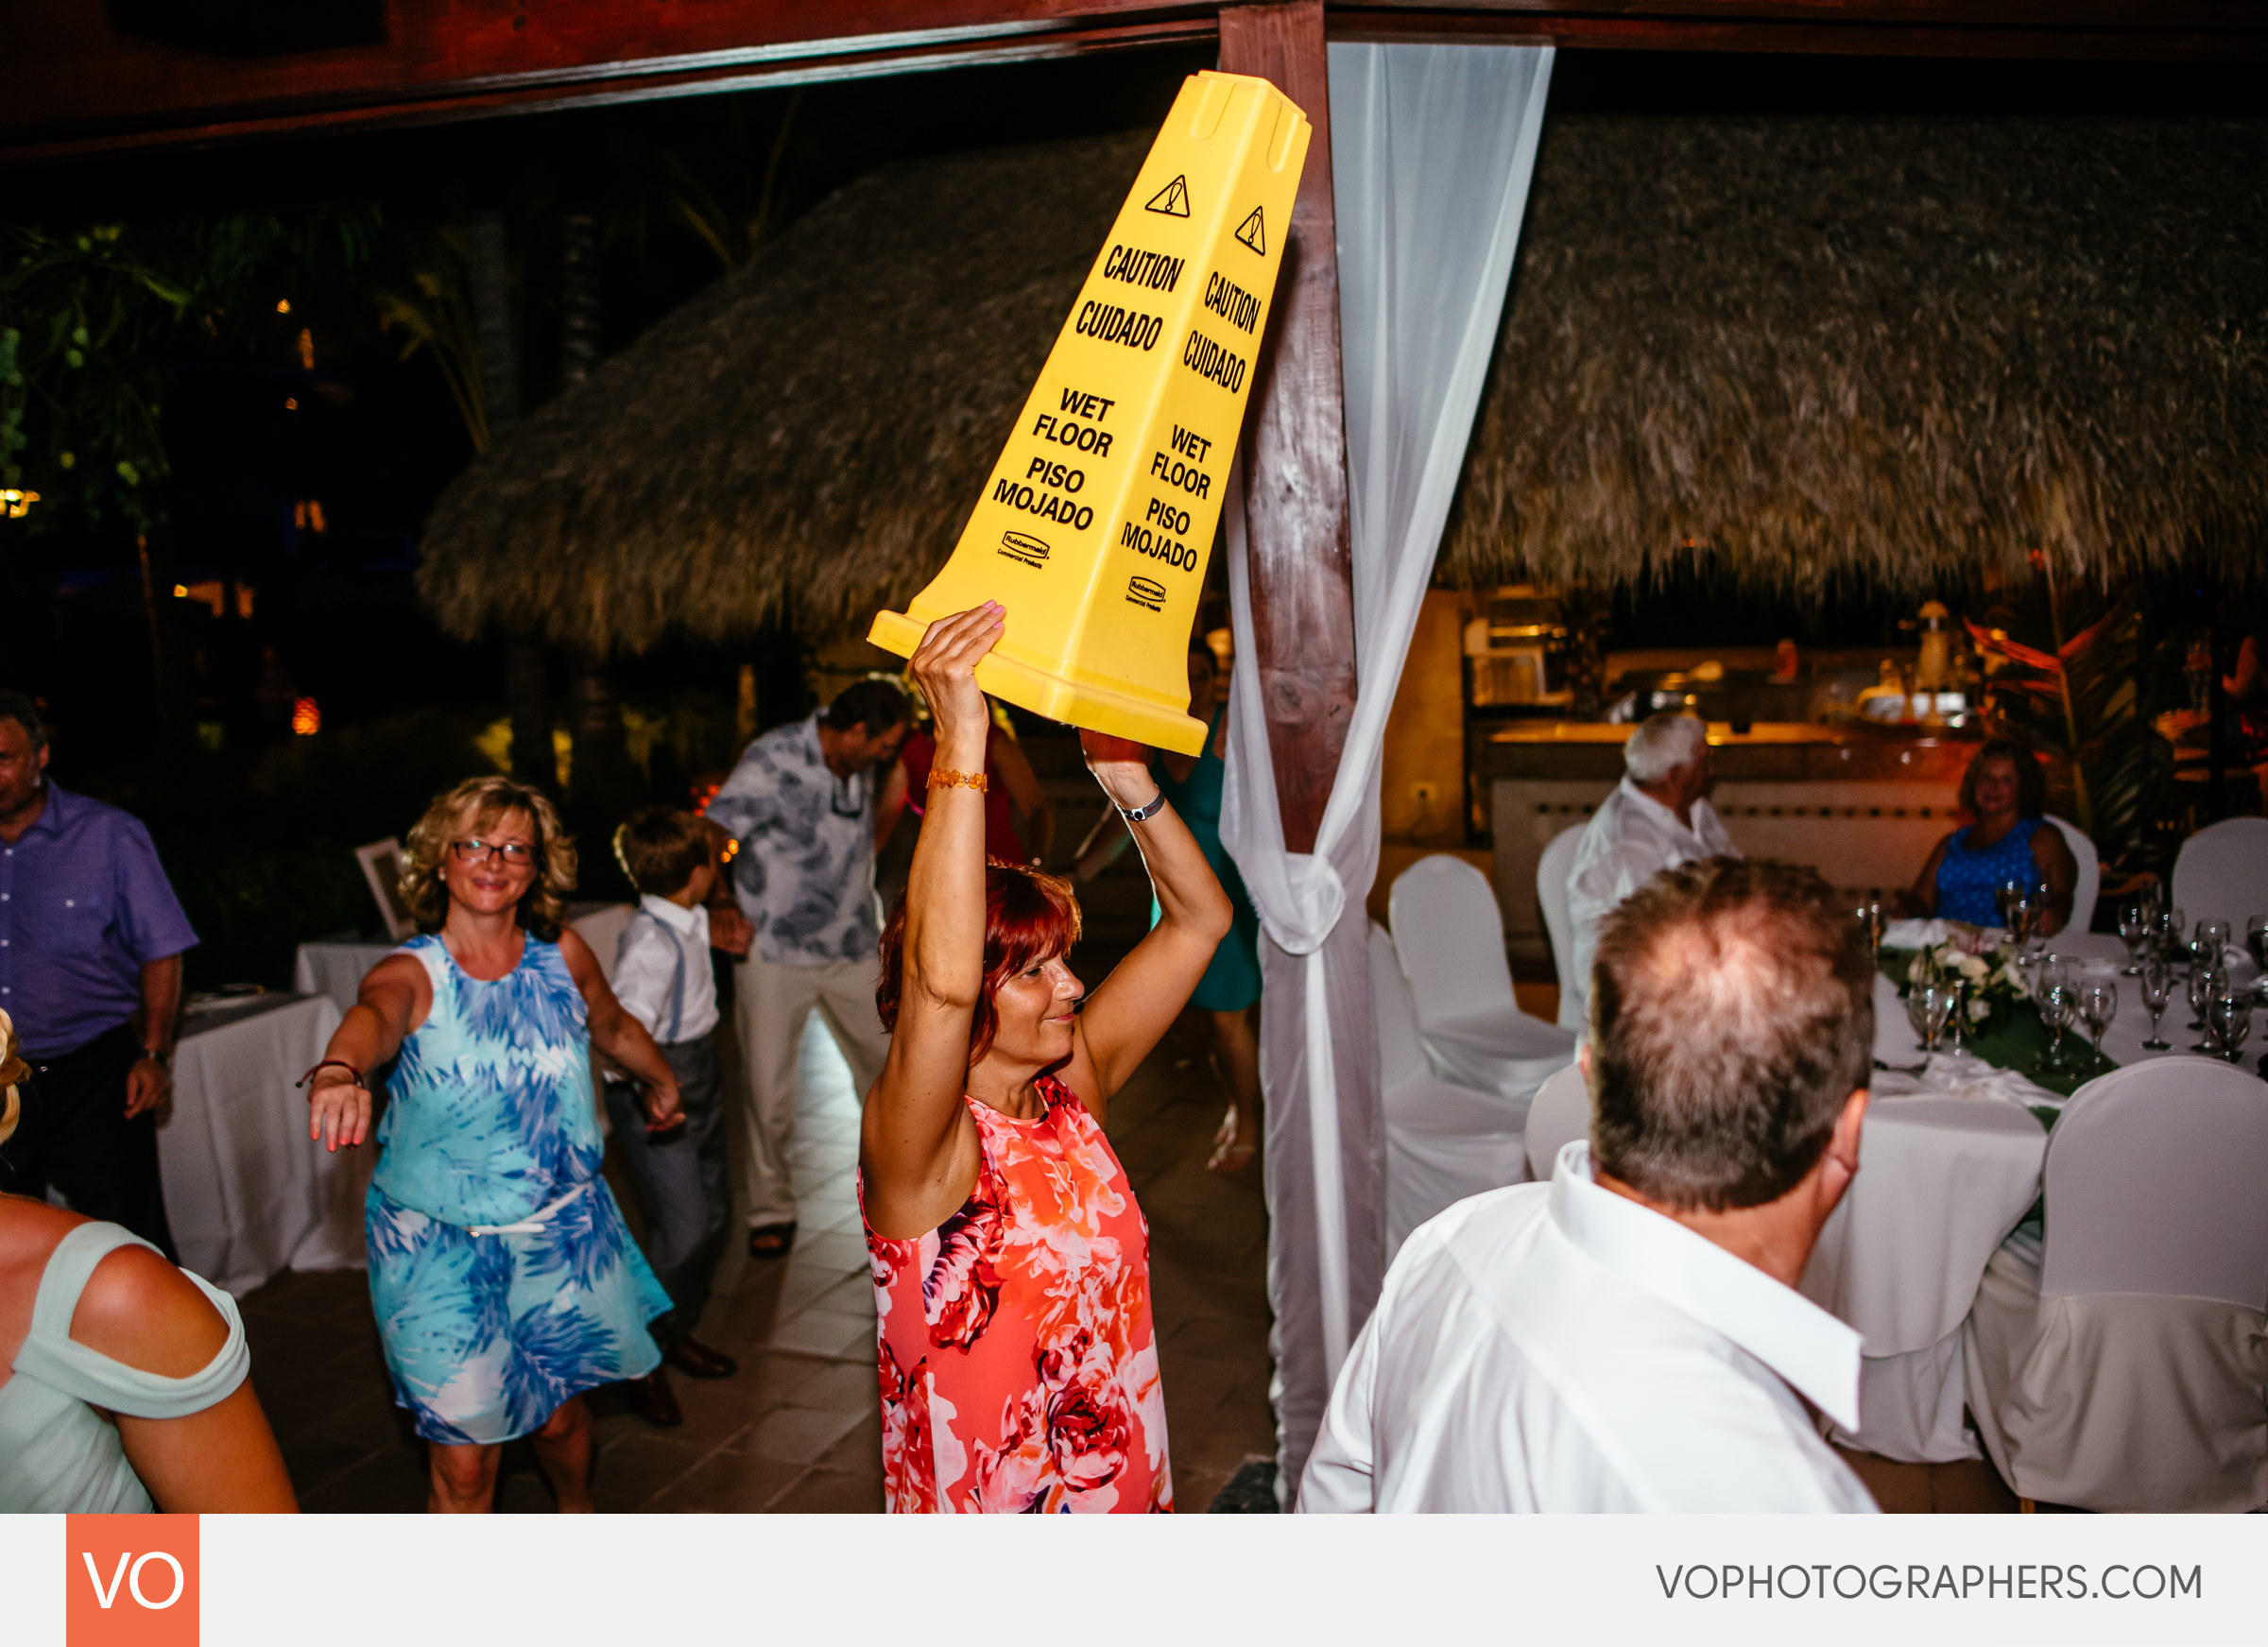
[505, 1280]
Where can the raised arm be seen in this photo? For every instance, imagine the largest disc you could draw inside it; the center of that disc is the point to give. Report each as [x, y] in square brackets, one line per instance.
[913, 1133]
[1103, 846]
[1026, 796]
[621, 1037]
[396, 995]
[1133, 1009]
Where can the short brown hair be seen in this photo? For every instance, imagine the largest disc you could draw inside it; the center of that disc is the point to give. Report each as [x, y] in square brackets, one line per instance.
[475, 804]
[1731, 1017]
[1029, 916]
[2030, 783]
[659, 848]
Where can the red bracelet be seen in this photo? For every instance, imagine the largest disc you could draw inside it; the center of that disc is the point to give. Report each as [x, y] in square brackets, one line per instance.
[329, 1064]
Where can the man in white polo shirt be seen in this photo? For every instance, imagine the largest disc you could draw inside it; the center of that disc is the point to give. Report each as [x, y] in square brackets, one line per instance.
[1628, 1336]
[1658, 817]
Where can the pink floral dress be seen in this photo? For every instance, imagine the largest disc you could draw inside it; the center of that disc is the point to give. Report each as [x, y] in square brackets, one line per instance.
[1019, 1367]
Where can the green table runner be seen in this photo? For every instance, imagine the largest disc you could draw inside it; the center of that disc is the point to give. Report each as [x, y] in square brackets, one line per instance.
[2015, 1038]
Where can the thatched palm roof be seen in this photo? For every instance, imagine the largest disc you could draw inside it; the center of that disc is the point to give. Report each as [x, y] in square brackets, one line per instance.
[1898, 347]
[808, 434]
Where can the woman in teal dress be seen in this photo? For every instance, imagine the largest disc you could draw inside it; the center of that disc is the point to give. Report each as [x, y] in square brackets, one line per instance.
[124, 1382]
[1231, 987]
[505, 1280]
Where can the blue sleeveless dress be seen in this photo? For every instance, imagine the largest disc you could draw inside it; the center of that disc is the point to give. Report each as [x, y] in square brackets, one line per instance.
[503, 1278]
[1969, 882]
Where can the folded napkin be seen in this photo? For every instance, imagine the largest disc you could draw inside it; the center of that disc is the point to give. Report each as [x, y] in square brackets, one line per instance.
[1918, 934]
[1947, 1076]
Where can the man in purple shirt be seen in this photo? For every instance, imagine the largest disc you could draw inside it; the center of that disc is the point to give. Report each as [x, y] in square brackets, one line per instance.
[91, 942]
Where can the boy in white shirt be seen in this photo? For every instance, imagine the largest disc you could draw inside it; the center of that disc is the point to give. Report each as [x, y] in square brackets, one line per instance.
[663, 979]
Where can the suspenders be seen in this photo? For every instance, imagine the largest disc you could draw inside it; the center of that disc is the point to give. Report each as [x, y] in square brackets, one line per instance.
[677, 980]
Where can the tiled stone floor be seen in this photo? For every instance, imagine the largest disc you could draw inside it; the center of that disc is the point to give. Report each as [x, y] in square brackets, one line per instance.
[798, 1429]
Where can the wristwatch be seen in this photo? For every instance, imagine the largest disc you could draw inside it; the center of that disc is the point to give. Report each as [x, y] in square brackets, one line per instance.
[1148, 810]
[159, 1056]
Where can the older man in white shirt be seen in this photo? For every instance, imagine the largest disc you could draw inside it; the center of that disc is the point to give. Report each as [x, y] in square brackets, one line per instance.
[1658, 817]
[1628, 1336]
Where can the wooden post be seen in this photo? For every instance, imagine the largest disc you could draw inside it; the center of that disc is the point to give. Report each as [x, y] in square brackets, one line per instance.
[1326, 1144]
[1296, 505]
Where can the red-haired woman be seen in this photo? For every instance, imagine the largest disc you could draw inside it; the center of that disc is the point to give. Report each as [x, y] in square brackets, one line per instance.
[1011, 1265]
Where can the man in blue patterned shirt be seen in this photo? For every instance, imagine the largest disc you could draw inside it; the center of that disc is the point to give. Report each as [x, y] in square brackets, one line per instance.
[800, 804]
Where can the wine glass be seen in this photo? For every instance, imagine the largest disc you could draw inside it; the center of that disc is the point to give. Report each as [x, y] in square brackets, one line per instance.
[2158, 990]
[1926, 1007]
[1956, 1016]
[2058, 1002]
[2205, 983]
[2230, 1016]
[2256, 939]
[2211, 943]
[2134, 931]
[1874, 921]
[2098, 1006]
[2169, 928]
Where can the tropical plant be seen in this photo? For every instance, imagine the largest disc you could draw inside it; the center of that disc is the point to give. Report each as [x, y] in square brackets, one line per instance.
[92, 318]
[2079, 673]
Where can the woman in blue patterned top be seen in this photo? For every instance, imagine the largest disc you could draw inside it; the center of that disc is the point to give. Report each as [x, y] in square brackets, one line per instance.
[2003, 792]
[505, 1280]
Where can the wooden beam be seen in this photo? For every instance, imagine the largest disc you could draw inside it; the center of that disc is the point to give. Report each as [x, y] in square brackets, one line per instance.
[80, 84]
[1295, 503]
[2185, 34]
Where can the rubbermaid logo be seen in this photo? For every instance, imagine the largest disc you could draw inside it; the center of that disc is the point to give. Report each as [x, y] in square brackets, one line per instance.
[1024, 548]
[1145, 592]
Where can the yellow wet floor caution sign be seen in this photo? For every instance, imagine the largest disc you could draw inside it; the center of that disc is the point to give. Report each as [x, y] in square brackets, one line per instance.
[1095, 526]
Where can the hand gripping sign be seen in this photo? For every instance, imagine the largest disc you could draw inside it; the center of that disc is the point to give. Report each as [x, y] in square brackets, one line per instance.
[1096, 523]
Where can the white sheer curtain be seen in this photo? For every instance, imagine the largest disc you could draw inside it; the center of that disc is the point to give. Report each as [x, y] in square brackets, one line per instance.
[1432, 148]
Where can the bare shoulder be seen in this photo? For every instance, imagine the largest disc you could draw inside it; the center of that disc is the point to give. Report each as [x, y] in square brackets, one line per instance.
[577, 954]
[2049, 846]
[397, 971]
[142, 1311]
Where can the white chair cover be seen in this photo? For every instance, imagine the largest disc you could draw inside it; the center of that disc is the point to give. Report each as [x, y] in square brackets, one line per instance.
[2221, 873]
[1450, 936]
[1554, 871]
[1942, 1180]
[1443, 1142]
[1560, 1115]
[2128, 1369]
[2088, 887]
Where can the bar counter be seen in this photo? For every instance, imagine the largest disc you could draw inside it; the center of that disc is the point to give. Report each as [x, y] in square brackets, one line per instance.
[1863, 804]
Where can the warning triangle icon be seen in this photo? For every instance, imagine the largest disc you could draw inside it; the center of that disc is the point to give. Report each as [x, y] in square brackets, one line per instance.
[1172, 200]
[1254, 233]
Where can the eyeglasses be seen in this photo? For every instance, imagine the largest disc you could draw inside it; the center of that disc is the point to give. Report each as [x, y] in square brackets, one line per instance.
[478, 852]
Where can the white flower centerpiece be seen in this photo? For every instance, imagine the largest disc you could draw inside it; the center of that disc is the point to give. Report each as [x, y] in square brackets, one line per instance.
[1988, 970]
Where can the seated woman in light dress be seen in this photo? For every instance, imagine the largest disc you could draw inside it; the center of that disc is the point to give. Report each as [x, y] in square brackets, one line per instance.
[2009, 840]
[505, 1280]
[1018, 1361]
[123, 1379]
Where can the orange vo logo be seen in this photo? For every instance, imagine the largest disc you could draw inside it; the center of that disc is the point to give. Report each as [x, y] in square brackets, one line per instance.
[130, 1581]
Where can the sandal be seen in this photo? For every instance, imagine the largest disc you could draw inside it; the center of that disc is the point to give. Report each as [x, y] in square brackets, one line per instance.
[772, 1240]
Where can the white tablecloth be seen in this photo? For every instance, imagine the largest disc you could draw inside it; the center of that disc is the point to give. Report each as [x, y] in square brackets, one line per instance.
[334, 966]
[1951, 1161]
[246, 1193]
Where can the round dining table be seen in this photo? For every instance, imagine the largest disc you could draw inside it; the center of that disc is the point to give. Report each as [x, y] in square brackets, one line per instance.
[1950, 1167]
